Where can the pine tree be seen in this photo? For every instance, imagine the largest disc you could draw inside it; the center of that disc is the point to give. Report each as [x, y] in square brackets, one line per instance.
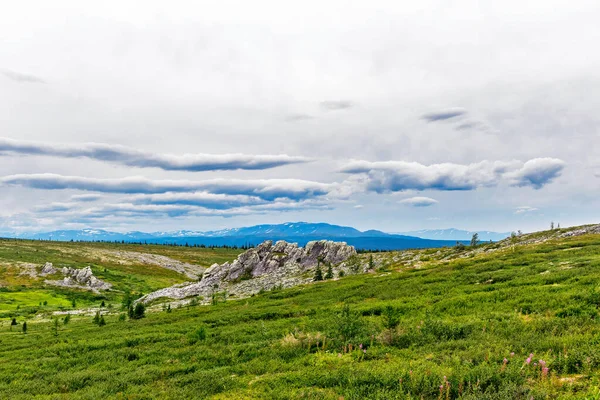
[474, 239]
[96, 319]
[318, 274]
[329, 274]
[24, 327]
[101, 322]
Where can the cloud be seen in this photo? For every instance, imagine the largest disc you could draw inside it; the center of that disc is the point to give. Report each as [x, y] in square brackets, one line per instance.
[20, 77]
[265, 189]
[419, 202]
[396, 176]
[298, 117]
[85, 198]
[525, 209]
[537, 173]
[336, 105]
[359, 206]
[136, 158]
[200, 199]
[443, 115]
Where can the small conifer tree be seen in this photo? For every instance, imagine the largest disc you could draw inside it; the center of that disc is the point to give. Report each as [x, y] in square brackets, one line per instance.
[24, 327]
[318, 274]
[329, 274]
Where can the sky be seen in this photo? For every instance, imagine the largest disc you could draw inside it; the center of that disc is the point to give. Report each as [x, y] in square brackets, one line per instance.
[392, 115]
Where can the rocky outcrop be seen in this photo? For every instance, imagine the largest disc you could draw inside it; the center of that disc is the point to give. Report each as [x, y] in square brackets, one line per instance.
[48, 269]
[78, 279]
[269, 265]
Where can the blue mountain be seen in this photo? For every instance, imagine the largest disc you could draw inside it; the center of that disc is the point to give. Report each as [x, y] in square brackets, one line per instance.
[298, 232]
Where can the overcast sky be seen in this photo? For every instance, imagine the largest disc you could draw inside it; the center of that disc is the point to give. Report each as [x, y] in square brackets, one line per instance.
[392, 115]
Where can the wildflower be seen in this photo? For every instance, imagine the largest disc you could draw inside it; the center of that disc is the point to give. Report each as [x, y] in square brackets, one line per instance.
[505, 361]
[512, 354]
[542, 363]
[545, 371]
[360, 346]
[535, 364]
[365, 351]
[528, 361]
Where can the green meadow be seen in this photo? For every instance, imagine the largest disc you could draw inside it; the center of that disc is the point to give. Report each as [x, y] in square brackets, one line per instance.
[521, 322]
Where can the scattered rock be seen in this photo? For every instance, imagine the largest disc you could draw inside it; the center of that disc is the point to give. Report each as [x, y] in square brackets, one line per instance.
[267, 266]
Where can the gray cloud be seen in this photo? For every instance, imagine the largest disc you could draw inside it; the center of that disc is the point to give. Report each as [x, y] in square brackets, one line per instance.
[537, 172]
[85, 198]
[419, 201]
[135, 158]
[20, 77]
[266, 189]
[336, 105]
[395, 176]
[443, 115]
[200, 199]
[298, 117]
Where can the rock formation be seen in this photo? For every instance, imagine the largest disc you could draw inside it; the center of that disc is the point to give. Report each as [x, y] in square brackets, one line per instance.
[48, 269]
[76, 278]
[268, 265]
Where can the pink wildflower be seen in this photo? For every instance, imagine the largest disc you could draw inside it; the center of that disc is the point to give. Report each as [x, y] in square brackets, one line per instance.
[512, 354]
[528, 361]
[545, 371]
[360, 346]
[505, 360]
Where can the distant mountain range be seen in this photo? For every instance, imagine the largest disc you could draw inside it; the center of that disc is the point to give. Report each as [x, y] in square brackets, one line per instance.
[299, 232]
[456, 234]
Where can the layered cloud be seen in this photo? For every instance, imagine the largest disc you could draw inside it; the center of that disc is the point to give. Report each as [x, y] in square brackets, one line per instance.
[265, 189]
[396, 176]
[336, 105]
[135, 158]
[21, 77]
[444, 114]
[419, 201]
[537, 172]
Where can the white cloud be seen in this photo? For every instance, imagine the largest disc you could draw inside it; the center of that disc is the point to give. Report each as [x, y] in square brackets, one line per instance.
[136, 158]
[395, 176]
[419, 201]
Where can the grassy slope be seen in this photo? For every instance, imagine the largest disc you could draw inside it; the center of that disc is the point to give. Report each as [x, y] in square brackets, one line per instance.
[27, 293]
[458, 319]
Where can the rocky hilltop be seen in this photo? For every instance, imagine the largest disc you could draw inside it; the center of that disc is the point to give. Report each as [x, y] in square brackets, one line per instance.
[264, 267]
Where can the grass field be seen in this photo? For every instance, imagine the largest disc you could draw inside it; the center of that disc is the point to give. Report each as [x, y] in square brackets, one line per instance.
[518, 323]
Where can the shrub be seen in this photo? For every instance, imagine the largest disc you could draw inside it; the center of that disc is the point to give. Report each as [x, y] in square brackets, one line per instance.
[348, 324]
[198, 335]
[67, 319]
[391, 317]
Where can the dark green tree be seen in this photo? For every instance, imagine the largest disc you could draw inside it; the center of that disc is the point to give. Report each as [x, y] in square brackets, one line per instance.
[329, 274]
[24, 327]
[137, 312]
[96, 319]
[101, 322]
[318, 274]
[475, 239]
[67, 319]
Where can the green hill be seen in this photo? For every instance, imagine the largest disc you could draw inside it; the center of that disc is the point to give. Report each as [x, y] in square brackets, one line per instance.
[511, 320]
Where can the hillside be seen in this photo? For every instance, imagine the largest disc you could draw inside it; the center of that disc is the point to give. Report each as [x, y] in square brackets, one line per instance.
[516, 319]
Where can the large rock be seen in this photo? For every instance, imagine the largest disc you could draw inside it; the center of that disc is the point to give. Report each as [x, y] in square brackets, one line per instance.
[79, 279]
[48, 269]
[262, 268]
